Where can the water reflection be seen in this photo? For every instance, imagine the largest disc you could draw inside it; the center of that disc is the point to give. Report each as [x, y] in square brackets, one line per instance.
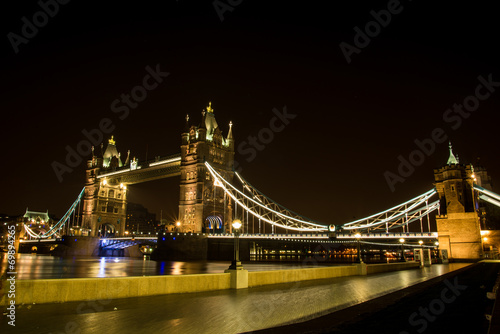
[32, 266]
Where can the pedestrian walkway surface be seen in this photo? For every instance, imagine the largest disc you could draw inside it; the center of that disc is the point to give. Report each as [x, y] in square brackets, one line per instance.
[225, 311]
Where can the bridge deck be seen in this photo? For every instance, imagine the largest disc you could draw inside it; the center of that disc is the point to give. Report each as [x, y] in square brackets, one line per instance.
[297, 237]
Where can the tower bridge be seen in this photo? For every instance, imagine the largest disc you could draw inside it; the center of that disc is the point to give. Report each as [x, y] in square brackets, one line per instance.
[212, 195]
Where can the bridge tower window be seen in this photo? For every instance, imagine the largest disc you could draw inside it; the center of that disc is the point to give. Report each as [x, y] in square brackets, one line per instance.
[111, 193]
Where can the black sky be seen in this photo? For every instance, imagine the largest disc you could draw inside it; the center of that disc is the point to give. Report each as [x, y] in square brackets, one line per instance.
[353, 120]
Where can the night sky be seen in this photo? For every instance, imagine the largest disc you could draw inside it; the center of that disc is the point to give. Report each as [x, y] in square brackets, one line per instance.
[353, 120]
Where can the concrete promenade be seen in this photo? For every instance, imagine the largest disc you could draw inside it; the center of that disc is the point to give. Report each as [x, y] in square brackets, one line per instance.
[223, 311]
[80, 289]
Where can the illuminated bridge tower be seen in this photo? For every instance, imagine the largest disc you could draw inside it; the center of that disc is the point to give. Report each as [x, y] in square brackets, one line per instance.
[204, 207]
[105, 199]
[459, 224]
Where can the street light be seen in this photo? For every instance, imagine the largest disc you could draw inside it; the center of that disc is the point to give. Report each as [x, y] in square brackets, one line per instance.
[236, 263]
[402, 259]
[358, 258]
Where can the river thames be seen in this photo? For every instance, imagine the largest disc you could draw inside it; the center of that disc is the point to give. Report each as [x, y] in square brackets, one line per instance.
[32, 266]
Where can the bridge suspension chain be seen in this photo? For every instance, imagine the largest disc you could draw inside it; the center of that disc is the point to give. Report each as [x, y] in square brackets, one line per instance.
[397, 216]
[488, 195]
[264, 208]
[56, 227]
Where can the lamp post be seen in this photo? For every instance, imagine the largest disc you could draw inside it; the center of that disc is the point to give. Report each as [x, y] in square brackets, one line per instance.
[358, 258]
[439, 256]
[402, 259]
[236, 263]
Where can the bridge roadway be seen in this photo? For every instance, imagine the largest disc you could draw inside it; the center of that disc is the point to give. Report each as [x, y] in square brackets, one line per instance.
[291, 236]
[226, 311]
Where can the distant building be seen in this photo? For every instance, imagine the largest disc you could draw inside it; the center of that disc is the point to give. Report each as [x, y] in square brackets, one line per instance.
[140, 220]
[39, 222]
[6, 220]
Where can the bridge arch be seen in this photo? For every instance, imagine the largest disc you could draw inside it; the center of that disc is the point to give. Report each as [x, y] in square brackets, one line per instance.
[107, 229]
[213, 224]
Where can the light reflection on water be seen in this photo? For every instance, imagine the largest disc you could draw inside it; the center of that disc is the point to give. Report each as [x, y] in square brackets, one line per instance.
[31, 266]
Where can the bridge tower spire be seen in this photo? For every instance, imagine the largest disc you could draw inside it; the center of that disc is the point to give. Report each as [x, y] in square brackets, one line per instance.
[452, 160]
[459, 223]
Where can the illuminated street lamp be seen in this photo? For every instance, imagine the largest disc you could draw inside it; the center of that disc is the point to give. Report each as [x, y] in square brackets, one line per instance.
[236, 263]
[358, 257]
[178, 225]
[402, 259]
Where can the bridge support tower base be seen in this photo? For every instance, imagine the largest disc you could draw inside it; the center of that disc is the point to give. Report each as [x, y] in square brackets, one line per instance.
[460, 235]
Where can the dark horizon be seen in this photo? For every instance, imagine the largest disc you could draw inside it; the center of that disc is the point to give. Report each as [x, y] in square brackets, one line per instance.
[353, 119]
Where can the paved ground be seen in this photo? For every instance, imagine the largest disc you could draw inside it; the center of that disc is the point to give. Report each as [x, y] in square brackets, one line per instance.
[225, 311]
[453, 303]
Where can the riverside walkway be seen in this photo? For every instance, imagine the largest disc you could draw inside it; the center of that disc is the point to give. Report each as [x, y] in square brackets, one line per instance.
[225, 311]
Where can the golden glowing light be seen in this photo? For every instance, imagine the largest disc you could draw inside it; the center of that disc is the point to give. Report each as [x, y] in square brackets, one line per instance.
[236, 224]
